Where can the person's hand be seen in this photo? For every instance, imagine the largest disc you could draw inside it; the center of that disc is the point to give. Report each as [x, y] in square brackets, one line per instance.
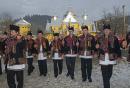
[44, 44]
[95, 55]
[63, 42]
[56, 50]
[52, 48]
[77, 43]
[124, 44]
[62, 57]
[35, 45]
[97, 46]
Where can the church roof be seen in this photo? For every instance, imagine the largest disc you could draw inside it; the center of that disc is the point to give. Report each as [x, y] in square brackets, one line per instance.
[48, 30]
[22, 22]
[69, 18]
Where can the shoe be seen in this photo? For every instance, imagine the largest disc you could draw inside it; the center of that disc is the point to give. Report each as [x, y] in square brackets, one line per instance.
[72, 77]
[56, 76]
[29, 74]
[90, 79]
[60, 73]
[5, 70]
[83, 80]
[40, 74]
[33, 67]
[67, 74]
[44, 74]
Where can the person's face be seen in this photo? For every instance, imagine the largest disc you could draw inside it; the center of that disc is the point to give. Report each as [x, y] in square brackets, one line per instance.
[56, 37]
[14, 33]
[40, 35]
[107, 31]
[61, 36]
[29, 37]
[85, 31]
[19, 37]
[71, 32]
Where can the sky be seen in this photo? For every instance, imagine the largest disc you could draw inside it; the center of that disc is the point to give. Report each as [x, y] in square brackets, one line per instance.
[93, 8]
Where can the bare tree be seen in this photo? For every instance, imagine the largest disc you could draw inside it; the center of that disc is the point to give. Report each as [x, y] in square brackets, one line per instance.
[115, 19]
[5, 21]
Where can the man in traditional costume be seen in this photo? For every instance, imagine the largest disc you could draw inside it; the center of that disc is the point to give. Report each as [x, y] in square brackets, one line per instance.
[71, 44]
[108, 49]
[15, 48]
[42, 47]
[57, 54]
[86, 51]
[30, 50]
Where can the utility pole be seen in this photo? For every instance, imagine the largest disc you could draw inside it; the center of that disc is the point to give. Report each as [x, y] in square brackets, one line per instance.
[123, 7]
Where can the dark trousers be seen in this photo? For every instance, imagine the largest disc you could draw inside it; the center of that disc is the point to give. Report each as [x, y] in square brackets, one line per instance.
[106, 74]
[5, 63]
[5, 68]
[0, 67]
[70, 62]
[42, 67]
[58, 65]
[11, 78]
[30, 65]
[86, 64]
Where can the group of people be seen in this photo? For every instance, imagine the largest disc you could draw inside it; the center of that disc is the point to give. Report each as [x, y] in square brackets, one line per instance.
[18, 50]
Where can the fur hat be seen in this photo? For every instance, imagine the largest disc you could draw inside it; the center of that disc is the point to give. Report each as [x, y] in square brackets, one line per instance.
[39, 31]
[106, 26]
[71, 28]
[14, 27]
[84, 27]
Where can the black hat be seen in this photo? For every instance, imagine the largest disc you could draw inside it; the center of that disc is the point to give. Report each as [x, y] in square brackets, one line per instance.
[39, 31]
[106, 26]
[14, 27]
[84, 27]
[56, 34]
[71, 28]
[29, 33]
